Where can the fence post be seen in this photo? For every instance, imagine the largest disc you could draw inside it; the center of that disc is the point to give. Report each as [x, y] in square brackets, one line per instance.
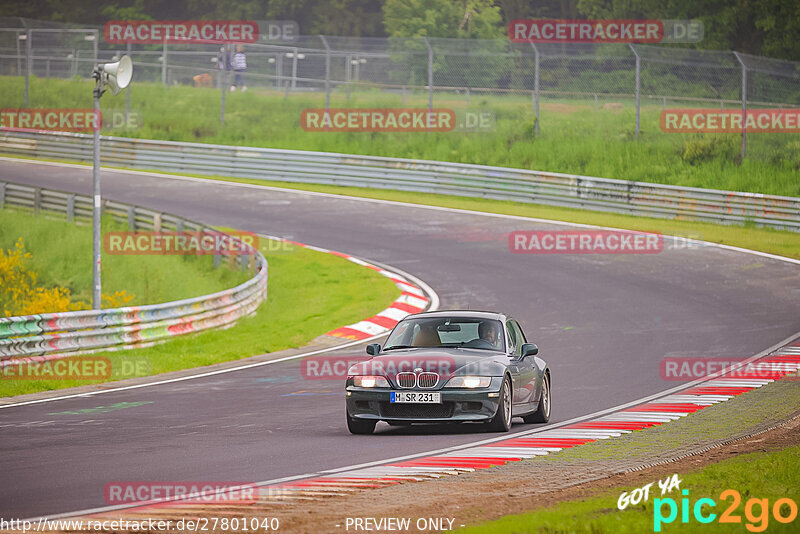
[327, 73]
[535, 88]
[128, 94]
[638, 86]
[294, 69]
[224, 74]
[430, 73]
[95, 38]
[347, 73]
[744, 104]
[164, 63]
[18, 38]
[28, 64]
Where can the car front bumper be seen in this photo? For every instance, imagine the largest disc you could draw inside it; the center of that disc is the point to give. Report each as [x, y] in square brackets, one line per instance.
[458, 405]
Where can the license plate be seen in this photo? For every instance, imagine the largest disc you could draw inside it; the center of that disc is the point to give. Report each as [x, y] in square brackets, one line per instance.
[416, 397]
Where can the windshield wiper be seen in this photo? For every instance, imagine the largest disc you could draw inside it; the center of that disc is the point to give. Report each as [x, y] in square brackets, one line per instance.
[399, 347]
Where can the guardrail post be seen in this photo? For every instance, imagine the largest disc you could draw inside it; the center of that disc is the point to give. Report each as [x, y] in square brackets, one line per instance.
[131, 219]
[70, 208]
[37, 200]
[157, 222]
[2, 194]
[179, 226]
[403, 96]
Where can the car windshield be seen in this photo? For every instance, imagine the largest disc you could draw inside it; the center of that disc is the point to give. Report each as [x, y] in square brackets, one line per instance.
[463, 332]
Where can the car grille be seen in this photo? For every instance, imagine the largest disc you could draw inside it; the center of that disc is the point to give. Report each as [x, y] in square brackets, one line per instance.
[422, 380]
[427, 380]
[422, 411]
[406, 380]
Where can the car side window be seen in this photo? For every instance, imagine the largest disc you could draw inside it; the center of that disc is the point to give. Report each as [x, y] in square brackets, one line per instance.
[513, 345]
[520, 334]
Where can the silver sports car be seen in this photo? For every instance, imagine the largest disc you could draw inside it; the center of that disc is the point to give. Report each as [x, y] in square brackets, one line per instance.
[450, 367]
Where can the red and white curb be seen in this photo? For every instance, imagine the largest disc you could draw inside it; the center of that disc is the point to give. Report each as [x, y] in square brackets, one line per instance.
[412, 300]
[695, 397]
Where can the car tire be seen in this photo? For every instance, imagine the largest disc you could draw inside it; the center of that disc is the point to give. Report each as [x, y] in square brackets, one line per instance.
[501, 422]
[542, 413]
[360, 426]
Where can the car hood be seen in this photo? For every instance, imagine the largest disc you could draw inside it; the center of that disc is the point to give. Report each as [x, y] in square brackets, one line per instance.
[445, 362]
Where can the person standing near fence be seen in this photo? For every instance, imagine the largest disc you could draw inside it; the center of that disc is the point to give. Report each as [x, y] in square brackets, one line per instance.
[239, 67]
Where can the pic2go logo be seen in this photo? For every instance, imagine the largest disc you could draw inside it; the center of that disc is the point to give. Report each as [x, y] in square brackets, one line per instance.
[756, 511]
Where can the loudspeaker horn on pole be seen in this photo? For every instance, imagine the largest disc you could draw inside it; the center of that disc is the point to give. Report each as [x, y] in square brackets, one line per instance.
[118, 75]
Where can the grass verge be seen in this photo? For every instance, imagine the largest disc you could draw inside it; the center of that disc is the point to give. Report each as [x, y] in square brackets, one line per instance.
[761, 475]
[62, 256]
[310, 293]
[575, 137]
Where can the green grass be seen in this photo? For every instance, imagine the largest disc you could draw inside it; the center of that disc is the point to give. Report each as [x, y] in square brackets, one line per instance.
[574, 138]
[310, 293]
[62, 256]
[771, 476]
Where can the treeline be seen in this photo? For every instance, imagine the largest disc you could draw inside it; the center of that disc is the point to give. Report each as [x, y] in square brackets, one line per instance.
[762, 27]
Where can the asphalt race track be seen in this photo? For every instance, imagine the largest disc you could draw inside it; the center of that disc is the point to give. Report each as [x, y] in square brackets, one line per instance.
[602, 322]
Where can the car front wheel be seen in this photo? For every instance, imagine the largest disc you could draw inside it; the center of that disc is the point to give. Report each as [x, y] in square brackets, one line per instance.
[360, 426]
[501, 422]
[542, 413]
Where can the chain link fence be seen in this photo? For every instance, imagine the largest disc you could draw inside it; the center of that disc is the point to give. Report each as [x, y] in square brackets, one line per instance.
[532, 80]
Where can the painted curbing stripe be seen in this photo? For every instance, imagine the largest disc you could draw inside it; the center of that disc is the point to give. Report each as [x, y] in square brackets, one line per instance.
[395, 314]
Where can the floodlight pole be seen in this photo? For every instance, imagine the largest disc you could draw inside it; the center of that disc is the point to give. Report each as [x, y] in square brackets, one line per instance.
[97, 203]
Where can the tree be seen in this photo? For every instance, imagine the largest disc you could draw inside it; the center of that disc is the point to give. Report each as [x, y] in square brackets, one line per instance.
[443, 18]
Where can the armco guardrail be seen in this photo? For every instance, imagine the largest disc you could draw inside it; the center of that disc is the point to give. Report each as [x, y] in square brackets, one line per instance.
[36, 335]
[619, 196]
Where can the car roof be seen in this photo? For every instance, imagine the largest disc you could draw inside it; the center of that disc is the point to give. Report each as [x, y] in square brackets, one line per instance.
[462, 313]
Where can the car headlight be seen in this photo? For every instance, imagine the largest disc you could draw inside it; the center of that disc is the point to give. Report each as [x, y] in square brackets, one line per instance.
[469, 382]
[370, 381]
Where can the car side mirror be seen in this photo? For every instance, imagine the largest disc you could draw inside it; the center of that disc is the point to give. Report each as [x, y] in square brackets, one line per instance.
[529, 349]
[373, 349]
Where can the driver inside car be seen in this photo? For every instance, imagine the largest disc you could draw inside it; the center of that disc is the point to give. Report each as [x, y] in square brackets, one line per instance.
[489, 331]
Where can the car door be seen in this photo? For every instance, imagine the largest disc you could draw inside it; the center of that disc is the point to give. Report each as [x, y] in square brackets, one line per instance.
[527, 386]
[512, 348]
